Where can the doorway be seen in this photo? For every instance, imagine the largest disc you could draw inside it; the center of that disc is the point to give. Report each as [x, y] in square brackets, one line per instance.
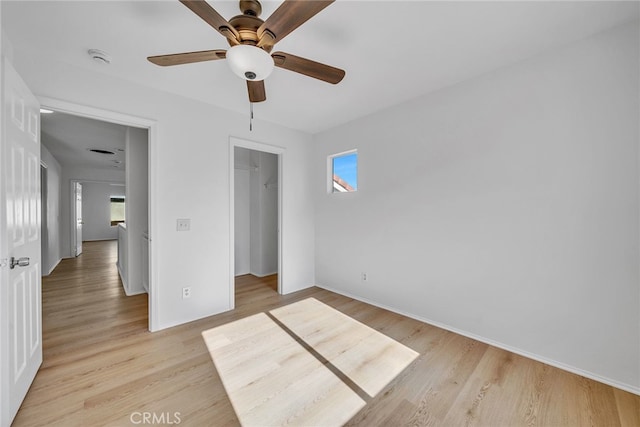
[256, 219]
[77, 218]
[148, 127]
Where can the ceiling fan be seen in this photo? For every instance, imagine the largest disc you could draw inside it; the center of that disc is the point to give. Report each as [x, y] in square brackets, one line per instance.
[252, 39]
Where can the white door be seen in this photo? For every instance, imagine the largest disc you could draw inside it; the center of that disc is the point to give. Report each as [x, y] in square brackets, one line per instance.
[77, 191]
[242, 221]
[21, 327]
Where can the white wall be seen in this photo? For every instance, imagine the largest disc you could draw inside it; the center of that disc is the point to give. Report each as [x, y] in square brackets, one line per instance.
[96, 210]
[53, 219]
[137, 204]
[242, 221]
[242, 210]
[122, 263]
[84, 175]
[255, 217]
[191, 159]
[264, 213]
[263, 210]
[267, 215]
[505, 207]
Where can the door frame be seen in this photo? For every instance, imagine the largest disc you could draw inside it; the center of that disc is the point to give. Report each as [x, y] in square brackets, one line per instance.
[44, 227]
[74, 218]
[266, 148]
[152, 128]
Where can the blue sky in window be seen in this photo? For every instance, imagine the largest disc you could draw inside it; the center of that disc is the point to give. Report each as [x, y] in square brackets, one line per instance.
[346, 167]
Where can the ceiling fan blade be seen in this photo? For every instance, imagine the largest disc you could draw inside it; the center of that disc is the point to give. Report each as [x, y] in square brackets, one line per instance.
[289, 16]
[213, 18]
[256, 90]
[188, 57]
[308, 67]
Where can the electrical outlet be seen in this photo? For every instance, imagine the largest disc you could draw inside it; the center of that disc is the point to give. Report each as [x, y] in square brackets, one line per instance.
[364, 277]
[183, 224]
[186, 293]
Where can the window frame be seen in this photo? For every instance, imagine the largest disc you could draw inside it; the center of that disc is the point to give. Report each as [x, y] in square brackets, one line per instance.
[117, 200]
[330, 160]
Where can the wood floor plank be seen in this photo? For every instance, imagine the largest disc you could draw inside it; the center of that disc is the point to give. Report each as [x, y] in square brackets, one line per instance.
[101, 365]
[628, 408]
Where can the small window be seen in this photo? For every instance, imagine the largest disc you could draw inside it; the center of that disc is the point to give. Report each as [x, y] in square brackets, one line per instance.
[117, 210]
[344, 172]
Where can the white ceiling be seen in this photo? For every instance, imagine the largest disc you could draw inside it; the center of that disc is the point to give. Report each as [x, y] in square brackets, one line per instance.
[392, 51]
[69, 139]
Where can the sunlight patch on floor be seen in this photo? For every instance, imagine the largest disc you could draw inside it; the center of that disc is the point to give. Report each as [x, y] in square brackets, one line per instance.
[272, 379]
[367, 357]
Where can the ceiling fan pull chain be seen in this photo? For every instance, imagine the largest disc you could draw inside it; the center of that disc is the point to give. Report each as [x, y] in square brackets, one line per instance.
[250, 116]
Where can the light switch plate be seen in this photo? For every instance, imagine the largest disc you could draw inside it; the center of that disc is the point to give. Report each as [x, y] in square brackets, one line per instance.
[183, 224]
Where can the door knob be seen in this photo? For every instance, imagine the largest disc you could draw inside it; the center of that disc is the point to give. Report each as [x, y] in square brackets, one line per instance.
[20, 262]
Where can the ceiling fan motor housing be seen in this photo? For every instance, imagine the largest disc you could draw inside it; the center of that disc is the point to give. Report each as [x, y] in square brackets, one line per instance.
[248, 23]
[247, 26]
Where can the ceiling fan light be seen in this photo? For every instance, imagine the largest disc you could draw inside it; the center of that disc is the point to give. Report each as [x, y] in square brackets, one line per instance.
[250, 62]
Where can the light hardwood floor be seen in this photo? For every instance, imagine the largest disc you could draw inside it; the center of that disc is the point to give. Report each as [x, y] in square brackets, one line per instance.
[101, 365]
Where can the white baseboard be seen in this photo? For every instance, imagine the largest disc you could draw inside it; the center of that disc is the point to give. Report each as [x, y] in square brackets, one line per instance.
[125, 285]
[122, 278]
[263, 275]
[136, 292]
[100, 240]
[617, 384]
[54, 267]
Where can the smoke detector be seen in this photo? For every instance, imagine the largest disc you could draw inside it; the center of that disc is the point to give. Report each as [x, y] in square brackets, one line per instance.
[100, 56]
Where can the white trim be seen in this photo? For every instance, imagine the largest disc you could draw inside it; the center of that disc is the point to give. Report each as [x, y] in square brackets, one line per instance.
[263, 274]
[232, 225]
[123, 279]
[54, 267]
[73, 226]
[95, 181]
[613, 383]
[95, 113]
[73, 250]
[152, 127]
[267, 148]
[4, 272]
[125, 284]
[344, 153]
[330, 158]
